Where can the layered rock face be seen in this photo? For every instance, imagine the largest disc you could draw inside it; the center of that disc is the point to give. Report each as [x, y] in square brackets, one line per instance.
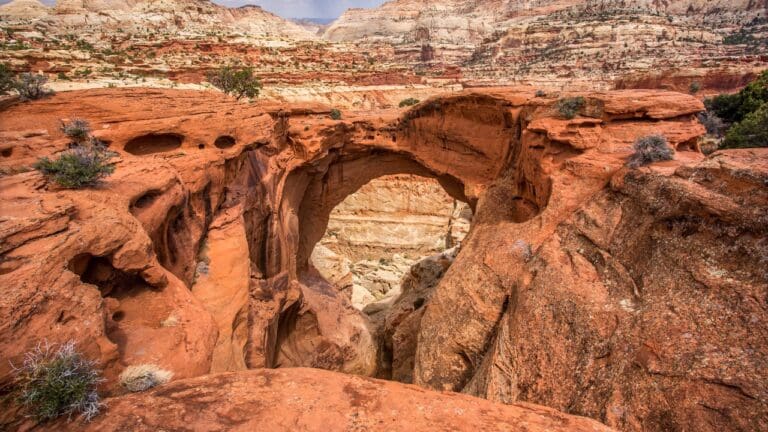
[635, 297]
[181, 16]
[569, 43]
[376, 234]
[372, 59]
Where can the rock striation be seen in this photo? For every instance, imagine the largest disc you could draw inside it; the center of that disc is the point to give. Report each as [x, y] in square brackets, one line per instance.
[634, 297]
[564, 44]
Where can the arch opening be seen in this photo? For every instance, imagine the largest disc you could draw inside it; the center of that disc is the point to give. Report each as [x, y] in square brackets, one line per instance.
[379, 232]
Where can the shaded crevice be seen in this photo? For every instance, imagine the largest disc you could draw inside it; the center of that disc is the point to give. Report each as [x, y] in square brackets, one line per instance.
[153, 143]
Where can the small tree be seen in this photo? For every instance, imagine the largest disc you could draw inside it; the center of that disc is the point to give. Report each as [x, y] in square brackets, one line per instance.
[55, 382]
[7, 82]
[32, 86]
[650, 149]
[335, 114]
[78, 167]
[750, 132]
[239, 83]
[408, 102]
[569, 107]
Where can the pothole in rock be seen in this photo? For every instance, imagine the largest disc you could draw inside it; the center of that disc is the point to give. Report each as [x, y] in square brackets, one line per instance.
[376, 235]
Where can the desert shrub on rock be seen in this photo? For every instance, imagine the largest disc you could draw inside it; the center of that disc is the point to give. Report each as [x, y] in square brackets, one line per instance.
[408, 102]
[750, 132]
[78, 167]
[32, 86]
[238, 82]
[712, 123]
[143, 377]
[650, 149]
[7, 82]
[540, 93]
[78, 130]
[569, 107]
[694, 88]
[56, 381]
[335, 114]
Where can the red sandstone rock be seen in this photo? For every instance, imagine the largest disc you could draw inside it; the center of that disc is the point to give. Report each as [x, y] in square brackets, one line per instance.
[314, 400]
[645, 283]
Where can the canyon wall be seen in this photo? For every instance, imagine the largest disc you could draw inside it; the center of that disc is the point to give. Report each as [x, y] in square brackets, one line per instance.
[376, 234]
[574, 262]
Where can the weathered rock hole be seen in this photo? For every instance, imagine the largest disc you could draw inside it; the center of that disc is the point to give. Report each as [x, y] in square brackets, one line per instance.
[225, 142]
[132, 305]
[146, 200]
[6, 152]
[154, 143]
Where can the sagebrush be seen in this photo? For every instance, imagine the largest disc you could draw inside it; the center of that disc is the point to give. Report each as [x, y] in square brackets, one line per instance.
[78, 167]
[32, 86]
[569, 107]
[77, 129]
[335, 114]
[58, 380]
[650, 149]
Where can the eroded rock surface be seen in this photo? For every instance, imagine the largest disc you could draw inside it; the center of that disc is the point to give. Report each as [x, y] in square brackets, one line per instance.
[314, 400]
[634, 297]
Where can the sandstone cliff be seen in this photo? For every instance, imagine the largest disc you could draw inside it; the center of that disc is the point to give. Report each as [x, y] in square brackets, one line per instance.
[635, 297]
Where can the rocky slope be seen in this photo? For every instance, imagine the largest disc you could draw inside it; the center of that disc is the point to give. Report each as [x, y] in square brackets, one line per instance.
[559, 43]
[377, 58]
[634, 297]
[146, 16]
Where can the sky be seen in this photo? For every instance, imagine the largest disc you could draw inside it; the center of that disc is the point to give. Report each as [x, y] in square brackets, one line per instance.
[305, 8]
[293, 8]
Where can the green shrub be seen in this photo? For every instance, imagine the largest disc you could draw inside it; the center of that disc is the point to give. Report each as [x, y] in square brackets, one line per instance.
[77, 129]
[694, 88]
[335, 114]
[750, 132]
[409, 102]
[78, 167]
[32, 86]
[569, 107]
[733, 108]
[239, 83]
[7, 82]
[650, 149]
[55, 382]
[540, 93]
